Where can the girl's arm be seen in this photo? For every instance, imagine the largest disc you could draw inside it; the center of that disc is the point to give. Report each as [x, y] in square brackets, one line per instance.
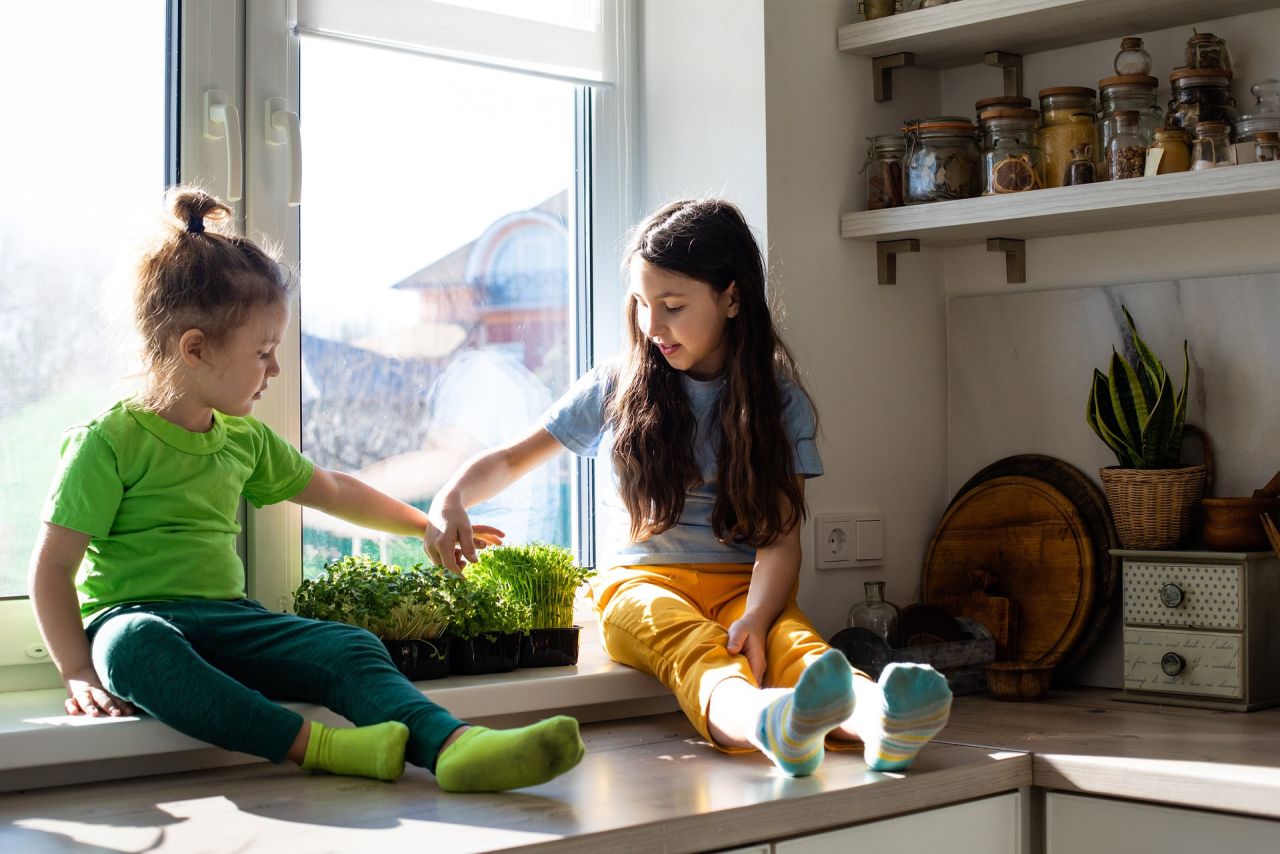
[51, 585]
[450, 539]
[772, 579]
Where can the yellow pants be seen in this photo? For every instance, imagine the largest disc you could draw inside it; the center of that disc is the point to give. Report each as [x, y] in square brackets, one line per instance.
[672, 622]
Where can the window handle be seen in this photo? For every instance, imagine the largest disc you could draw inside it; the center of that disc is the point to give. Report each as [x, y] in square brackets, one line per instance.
[283, 129]
[222, 121]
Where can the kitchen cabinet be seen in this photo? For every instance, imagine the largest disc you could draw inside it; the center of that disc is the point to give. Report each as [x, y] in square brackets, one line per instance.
[1078, 824]
[988, 826]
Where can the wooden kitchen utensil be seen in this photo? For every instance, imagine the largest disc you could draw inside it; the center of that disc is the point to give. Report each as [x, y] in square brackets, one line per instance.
[1272, 533]
[1037, 549]
[1271, 490]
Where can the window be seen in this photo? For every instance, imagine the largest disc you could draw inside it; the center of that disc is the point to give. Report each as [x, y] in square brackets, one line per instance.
[85, 167]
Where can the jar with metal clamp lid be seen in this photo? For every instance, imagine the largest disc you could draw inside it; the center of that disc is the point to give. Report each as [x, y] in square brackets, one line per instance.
[1200, 95]
[942, 160]
[1011, 160]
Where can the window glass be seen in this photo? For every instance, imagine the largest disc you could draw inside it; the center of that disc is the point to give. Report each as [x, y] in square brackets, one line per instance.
[579, 14]
[83, 171]
[436, 251]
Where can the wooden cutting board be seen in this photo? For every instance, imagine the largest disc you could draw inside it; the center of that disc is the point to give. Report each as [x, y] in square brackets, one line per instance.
[1021, 539]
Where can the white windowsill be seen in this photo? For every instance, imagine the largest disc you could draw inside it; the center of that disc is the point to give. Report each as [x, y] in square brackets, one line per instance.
[42, 746]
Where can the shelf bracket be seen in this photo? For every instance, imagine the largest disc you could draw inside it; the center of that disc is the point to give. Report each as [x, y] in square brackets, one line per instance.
[1012, 65]
[882, 72]
[1015, 258]
[887, 258]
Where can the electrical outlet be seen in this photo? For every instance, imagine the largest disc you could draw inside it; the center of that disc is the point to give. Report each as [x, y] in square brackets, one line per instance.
[848, 540]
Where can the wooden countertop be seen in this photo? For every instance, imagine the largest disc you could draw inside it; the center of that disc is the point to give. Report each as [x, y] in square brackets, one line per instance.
[1091, 741]
[650, 784]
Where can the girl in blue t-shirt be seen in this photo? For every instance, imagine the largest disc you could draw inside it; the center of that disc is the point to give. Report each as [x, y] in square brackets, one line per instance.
[710, 435]
[142, 516]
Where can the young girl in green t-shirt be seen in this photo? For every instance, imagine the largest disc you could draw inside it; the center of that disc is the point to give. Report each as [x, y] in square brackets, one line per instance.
[142, 516]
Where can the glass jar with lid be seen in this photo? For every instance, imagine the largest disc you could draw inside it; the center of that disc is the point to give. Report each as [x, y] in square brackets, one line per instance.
[1265, 114]
[884, 171]
[1066, 123]
[1000, 102]
[1012, 162]
[1174, 148]
[1081, 170]
[1266, 148]
[942, 162]
[1212, 146]
[1132, 57]
[1200, 94]
[1205, 50]
[1126, 148]
[1128, 92]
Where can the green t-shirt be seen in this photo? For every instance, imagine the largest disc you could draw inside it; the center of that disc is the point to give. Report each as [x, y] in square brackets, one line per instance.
[159, 502]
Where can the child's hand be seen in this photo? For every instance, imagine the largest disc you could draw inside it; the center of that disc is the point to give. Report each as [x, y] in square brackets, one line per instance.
[450, 539]
[86, 696]
[748, 639]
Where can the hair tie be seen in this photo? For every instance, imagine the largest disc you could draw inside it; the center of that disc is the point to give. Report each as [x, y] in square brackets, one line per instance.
[195, 224]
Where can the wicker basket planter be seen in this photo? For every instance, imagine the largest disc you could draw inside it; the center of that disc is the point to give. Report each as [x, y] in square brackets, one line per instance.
[1152, 507]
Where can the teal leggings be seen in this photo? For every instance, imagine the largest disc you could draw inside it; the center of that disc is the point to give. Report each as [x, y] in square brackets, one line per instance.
[211, 670]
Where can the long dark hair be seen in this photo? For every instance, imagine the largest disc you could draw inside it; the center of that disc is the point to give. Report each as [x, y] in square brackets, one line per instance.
[758, 499]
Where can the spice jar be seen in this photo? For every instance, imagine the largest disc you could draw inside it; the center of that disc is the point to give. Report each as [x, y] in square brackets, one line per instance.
[1128, 92]
[1200, 94]
[1132, 58]
[1000, 102]
[1175, 152]
[1081, 169]
[1066, 123]
[1205, 50]
[1212, 146]
[1266, 148]
[1265, 114]
[872, 9]
[884, 171]
[942, 160]
[1011, 160]
[1127, 147]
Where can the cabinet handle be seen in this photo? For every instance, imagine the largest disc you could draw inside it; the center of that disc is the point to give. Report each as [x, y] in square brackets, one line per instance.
[1172, 664]
[1171, 595]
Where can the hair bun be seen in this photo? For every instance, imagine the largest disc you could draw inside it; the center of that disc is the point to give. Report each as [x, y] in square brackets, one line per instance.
[191, 206]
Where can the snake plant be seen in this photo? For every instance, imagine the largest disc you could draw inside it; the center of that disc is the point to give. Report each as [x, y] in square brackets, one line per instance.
[1135, 410]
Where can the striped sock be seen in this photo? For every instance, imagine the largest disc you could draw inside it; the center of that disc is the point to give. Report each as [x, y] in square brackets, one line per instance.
[896, 717]
[792, 727]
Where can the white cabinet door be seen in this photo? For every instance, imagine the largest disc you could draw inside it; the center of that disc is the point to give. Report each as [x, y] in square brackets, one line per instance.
[988, 826]
[1076, 824]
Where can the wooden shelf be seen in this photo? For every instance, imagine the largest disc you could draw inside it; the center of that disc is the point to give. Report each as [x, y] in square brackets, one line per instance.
[1232, 191]
[961, 33]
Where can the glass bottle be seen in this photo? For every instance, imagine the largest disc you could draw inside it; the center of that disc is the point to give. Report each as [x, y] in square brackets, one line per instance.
[884, 171]
[1212, 146]
[1175, 151]
[1266, 147]
[942, 162]
[875, 614]
[1066, 123]
[1265, 115]
[1133, 57]
[1011, 160]
[1205, 50]
[1127, 148]
[1081, 169]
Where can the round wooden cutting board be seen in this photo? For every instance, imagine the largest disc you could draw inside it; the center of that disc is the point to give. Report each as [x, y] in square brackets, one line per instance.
[1015, 553]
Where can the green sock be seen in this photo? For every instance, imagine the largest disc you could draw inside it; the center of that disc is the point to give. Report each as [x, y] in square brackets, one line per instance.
[493, 760]
[792, 728]
[369, 751]
[898, 716]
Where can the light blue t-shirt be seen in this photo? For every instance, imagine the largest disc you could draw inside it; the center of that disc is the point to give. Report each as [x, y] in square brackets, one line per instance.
[577, 421]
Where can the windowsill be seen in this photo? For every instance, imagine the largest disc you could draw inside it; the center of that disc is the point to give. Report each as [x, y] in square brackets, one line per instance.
[41, 746]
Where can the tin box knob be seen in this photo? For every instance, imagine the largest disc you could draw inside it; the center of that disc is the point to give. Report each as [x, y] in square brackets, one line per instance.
[1172, 664]
[1171, 595]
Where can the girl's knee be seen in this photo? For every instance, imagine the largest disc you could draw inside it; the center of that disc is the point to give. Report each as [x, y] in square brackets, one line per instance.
[127, 648]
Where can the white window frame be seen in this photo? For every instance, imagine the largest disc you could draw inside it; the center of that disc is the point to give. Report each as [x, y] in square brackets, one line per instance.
[249, 52]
